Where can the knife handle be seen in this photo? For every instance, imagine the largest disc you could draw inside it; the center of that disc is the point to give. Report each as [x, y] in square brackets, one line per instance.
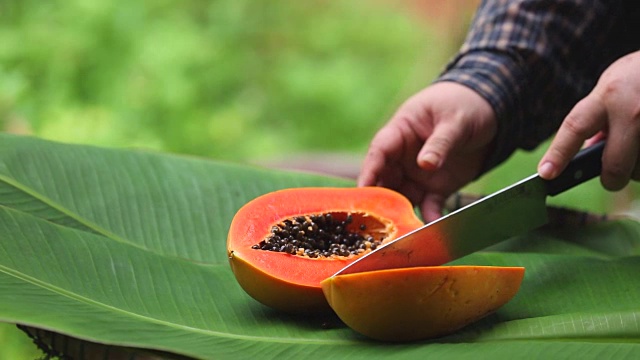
[586, 165]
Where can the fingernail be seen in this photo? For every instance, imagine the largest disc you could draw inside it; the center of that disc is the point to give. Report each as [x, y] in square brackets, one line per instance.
[546, 170]
[430, 161]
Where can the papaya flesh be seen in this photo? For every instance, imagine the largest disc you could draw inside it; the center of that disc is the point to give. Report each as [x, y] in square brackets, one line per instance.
[418, 303]
[287, 277]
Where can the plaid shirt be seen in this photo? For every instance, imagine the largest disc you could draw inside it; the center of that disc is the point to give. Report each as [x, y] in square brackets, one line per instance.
[532, 60]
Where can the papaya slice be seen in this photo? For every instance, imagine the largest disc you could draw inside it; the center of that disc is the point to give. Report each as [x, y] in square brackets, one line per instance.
[418, 303]
[281, 245]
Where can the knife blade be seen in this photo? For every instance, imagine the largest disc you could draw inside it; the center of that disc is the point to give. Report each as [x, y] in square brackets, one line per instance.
[514, 210]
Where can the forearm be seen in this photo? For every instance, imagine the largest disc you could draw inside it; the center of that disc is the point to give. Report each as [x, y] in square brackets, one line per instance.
[532, 60]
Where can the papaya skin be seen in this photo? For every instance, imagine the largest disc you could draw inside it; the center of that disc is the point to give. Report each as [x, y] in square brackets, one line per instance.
[418, 303]
[291, 283]
[276, 293]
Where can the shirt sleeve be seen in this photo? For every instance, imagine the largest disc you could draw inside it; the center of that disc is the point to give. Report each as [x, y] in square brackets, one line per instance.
[532, 60]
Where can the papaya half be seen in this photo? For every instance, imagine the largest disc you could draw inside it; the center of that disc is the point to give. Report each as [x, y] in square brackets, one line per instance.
[421, 302]
[281, 245]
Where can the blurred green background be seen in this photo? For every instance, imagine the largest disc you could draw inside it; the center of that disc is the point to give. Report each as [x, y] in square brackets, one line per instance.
[288, 84]
[238, 80]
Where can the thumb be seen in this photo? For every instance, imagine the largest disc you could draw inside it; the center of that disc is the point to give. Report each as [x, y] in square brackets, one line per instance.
[445, 137]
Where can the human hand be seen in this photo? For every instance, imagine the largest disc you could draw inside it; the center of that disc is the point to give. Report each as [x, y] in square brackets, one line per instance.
[434, 144]
[611, 110]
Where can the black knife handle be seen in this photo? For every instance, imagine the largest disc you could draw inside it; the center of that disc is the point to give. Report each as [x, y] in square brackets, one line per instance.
[586, 165]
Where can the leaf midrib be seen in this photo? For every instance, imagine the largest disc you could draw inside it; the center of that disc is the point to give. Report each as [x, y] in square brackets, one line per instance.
[88, 301]
[67, 212]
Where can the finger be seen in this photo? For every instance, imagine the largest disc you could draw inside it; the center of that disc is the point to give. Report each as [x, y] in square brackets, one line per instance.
[384, 145]
[635, 174]
[413, 191]
[432, 206]
[620, 154]
[444, 138]
[374, 161]
[584, 121]
[601, 135]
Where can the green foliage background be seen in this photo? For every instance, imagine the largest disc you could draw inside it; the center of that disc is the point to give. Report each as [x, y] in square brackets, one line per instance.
[225, 79]
[238, 80]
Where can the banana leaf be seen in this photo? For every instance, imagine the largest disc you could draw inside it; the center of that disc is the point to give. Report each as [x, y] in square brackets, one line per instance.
[127, 248]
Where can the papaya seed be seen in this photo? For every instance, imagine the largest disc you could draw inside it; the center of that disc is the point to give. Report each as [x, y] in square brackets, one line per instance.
[320, 235]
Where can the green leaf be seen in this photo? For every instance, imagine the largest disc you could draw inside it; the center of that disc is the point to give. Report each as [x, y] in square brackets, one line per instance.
[128, 248]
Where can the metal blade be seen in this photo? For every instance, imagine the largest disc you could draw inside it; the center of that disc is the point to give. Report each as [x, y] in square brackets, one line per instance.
[511, 211]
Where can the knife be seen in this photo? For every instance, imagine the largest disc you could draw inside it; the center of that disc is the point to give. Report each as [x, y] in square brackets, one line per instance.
[514, 210]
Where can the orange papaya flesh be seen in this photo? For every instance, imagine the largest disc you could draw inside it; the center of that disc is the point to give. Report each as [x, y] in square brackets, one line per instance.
[291, 282]
[419, 303]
